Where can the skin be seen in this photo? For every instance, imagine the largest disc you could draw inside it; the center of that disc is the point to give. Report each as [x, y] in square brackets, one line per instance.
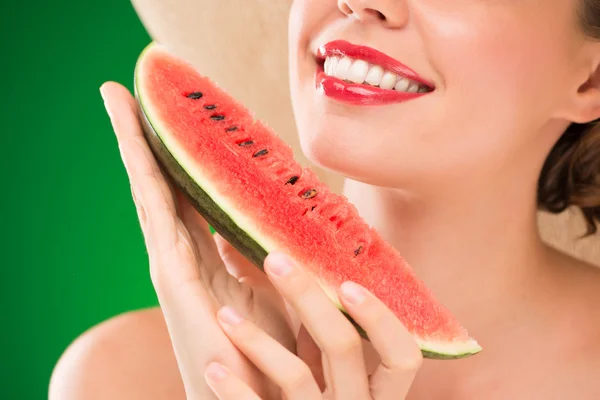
[509, 77]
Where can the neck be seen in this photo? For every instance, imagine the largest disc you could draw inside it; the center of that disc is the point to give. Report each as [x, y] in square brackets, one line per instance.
[476, 254]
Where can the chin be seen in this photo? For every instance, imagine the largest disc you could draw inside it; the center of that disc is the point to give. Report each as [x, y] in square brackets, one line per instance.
[336, 150]
[327, 144]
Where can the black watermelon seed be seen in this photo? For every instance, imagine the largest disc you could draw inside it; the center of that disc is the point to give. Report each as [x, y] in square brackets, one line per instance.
[217, 117]
[292, 181]
[313, 208]
[195, 95]
[231, 129]
[260, 153]
[358, 251]
[246, 143]
[309, 194]
[210, 107]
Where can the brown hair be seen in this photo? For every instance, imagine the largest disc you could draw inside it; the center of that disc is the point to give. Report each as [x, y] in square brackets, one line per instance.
[571, 174]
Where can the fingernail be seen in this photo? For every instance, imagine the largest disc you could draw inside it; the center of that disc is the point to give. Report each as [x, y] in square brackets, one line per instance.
[353, 293]
[216, 372]
[229, 316]
[279, 264]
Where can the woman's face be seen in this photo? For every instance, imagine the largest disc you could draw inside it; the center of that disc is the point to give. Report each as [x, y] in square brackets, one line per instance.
[499, 75]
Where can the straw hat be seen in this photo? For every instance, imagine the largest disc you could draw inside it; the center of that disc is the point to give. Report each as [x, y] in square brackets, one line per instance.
[242, 45]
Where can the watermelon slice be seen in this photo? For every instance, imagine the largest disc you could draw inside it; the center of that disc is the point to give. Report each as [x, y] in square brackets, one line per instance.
[243, 179]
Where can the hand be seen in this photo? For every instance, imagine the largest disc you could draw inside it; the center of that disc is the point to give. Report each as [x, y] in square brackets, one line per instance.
[344, 368]
[189, 270]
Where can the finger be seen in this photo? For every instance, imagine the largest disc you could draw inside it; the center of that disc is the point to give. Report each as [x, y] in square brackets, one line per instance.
[165, 236]
[226, 385]
[238, 265]
[333, 333]
[186, 304]
[124, 113]
[400, 355]
[163, 207]
[154, 198]
[276, 362]
[252, 278]
[309, 352]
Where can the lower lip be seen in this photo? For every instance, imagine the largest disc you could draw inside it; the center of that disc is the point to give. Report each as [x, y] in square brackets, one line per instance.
[357, 94]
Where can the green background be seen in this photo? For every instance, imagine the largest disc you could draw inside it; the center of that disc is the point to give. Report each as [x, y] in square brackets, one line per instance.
[73, 253]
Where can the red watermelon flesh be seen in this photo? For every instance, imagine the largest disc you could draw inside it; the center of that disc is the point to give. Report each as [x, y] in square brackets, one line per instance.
[243, 178]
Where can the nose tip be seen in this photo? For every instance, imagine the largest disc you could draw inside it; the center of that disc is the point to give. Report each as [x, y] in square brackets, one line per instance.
[391, 13]
[363, 14]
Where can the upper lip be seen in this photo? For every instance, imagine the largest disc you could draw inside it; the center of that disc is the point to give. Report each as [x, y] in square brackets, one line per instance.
[370, 55]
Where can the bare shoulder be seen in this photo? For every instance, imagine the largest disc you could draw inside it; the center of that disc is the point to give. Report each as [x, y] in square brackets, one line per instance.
[126, 357]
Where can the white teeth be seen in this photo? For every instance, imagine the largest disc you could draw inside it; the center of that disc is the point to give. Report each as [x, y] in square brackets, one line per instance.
[331, 64]
[358, 71]
[402, 85]
[343, 67]
[374, 76]
[388, 81]
[413, 88]
[327, 66]
[334, 63]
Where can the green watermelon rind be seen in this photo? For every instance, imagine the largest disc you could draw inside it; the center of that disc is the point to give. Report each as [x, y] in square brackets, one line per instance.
[233, 225]
[218, 218]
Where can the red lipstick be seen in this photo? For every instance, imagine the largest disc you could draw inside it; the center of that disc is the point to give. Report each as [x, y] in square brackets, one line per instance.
[360, 94]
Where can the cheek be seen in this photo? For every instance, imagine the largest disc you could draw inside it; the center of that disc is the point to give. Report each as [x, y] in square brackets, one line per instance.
[509, 57]
[503, 77]
[504, 46]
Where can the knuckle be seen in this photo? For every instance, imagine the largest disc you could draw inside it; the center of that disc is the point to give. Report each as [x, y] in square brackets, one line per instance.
[169, 252]
[347, 345]
[138, 141]
[178, 252]
[148, 168]
[410, 363]
[299, 376]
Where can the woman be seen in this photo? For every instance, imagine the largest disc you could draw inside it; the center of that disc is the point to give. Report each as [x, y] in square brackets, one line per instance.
[453, 179]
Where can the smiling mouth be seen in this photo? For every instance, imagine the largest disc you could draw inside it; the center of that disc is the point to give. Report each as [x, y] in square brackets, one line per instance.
[365, 76]
[362, 72]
